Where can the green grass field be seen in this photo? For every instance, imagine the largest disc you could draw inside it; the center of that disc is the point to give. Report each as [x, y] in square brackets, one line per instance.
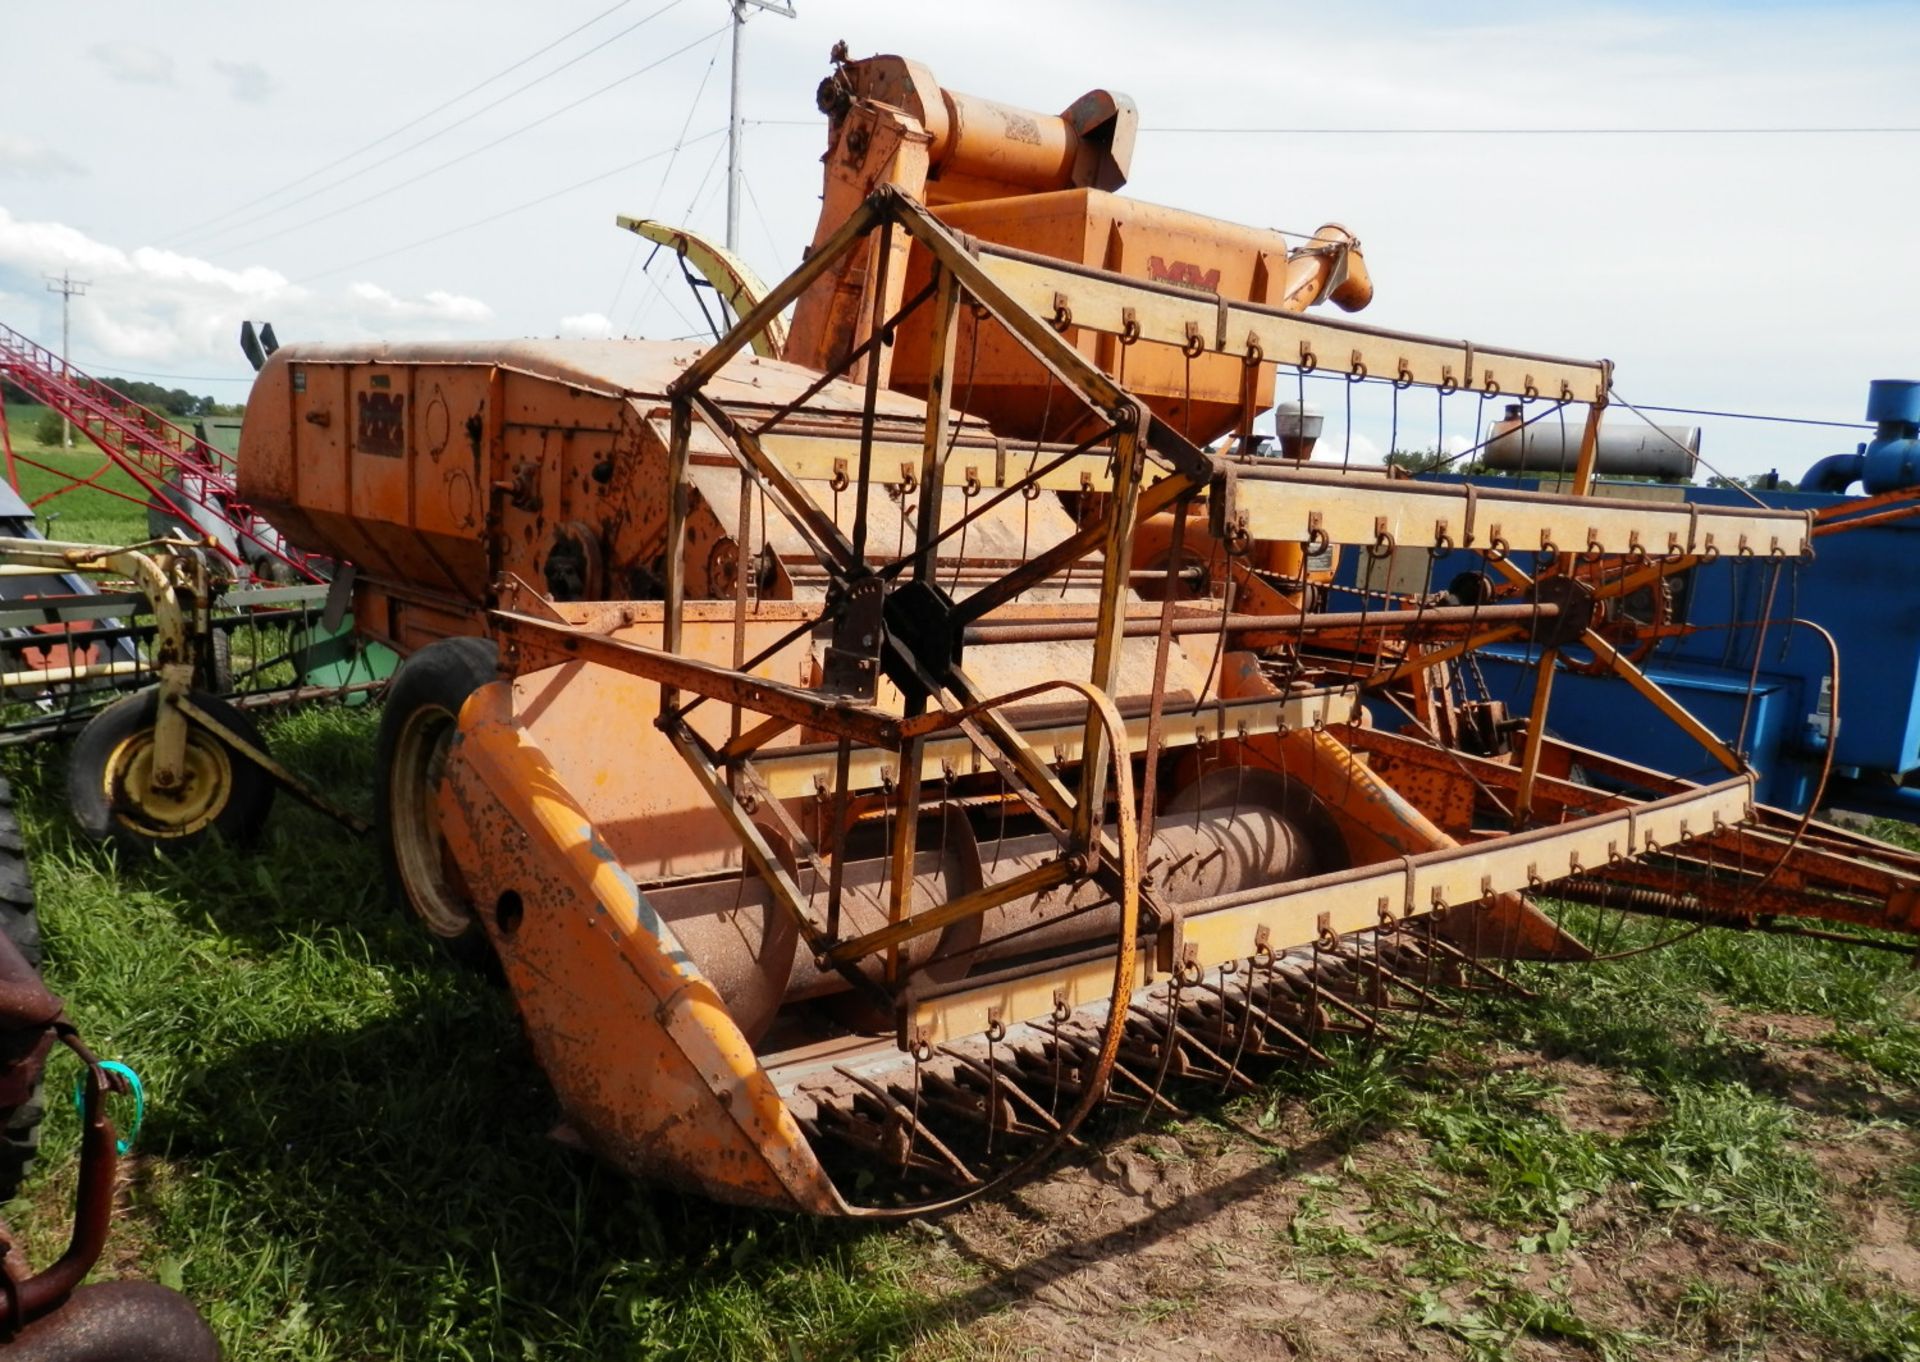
[96, 514]
[347, 1155]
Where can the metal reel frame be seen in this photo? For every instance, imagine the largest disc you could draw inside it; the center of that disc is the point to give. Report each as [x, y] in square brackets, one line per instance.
[890, 617]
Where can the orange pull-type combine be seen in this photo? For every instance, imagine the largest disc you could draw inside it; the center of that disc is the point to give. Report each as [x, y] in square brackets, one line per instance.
[853, 802]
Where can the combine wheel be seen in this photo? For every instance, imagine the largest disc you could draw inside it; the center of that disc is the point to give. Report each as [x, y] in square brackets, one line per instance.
[416, 730]
[19, 1123]
[111, 789]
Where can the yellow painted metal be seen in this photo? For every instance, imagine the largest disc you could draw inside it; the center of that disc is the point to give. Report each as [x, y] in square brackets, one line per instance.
[818, 457]
[732, 278]
[1433, 880]
[239, 746]
[33, 678]
[196, 794]
[1294, 505]
[968, 1012]
[1102, 302]
[642, 1052]
[169, 578]
[794, 773]
[1357, 508]
[1392, 893]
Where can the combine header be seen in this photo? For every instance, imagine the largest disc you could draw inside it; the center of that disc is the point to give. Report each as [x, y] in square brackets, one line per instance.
[866, 763]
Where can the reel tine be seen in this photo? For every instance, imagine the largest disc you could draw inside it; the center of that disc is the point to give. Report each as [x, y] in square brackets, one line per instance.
[1498, 981]
[916, 1129]
[1427, 999]
[1297, 1046]
[1011, 1085]
[1371, 1025]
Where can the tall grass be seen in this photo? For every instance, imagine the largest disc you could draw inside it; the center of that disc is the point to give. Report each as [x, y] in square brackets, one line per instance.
[347, 1152]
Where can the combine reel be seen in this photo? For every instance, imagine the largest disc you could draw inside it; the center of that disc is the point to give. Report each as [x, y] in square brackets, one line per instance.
[1634, 606]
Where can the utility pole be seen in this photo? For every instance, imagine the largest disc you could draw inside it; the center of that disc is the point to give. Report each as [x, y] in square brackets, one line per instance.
[740, 8]
[67, 287]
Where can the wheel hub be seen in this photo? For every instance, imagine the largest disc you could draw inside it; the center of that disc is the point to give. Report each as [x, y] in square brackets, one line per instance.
[178, 810]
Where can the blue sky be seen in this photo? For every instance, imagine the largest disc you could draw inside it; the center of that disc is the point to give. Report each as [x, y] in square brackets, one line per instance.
[1771, 273]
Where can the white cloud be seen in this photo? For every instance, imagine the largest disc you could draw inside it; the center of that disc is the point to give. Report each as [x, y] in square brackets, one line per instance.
[247, 81]
[164, 310]
[133, 63]
[1361, 450]
[28, 159]
[585, 326]
[35, 246]
[437, 304]
[1335, 447]
[1684, 258]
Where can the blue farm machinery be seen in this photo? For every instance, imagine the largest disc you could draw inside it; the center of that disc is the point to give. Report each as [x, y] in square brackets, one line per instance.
[1807, 667]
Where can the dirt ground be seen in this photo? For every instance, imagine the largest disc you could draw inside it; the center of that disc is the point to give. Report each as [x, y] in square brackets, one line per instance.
[1213, 1238]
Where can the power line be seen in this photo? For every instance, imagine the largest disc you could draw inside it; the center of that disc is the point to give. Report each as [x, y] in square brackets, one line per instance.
[475, 151]
[766, 229]
[646, 270]
[411, 123]
[653, 202]
[508, 212]
[1466, 132]
[1688, 411]
[1614, 396]
[441, 132]
[106, 368]
[1756, 416]
[1541, 132]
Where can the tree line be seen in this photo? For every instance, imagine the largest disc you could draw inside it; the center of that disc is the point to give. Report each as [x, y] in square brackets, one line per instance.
[174, 402]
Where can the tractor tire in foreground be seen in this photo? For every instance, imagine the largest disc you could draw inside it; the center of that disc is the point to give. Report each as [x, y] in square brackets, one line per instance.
[20, 921]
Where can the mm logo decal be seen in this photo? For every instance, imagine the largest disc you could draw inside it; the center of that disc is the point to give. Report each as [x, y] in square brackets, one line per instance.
[382, 425]
[1184, 273]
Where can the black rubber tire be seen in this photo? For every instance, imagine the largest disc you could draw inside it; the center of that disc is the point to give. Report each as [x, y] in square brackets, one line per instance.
[213, 671]
[239, 813]
[20, 920]
[423, 699]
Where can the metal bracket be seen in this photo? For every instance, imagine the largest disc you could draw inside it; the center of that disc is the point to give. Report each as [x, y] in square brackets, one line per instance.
[852, 665]
[183, 709]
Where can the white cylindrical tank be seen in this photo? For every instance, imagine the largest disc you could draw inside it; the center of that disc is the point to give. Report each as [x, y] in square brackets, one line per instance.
[1629, 448]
